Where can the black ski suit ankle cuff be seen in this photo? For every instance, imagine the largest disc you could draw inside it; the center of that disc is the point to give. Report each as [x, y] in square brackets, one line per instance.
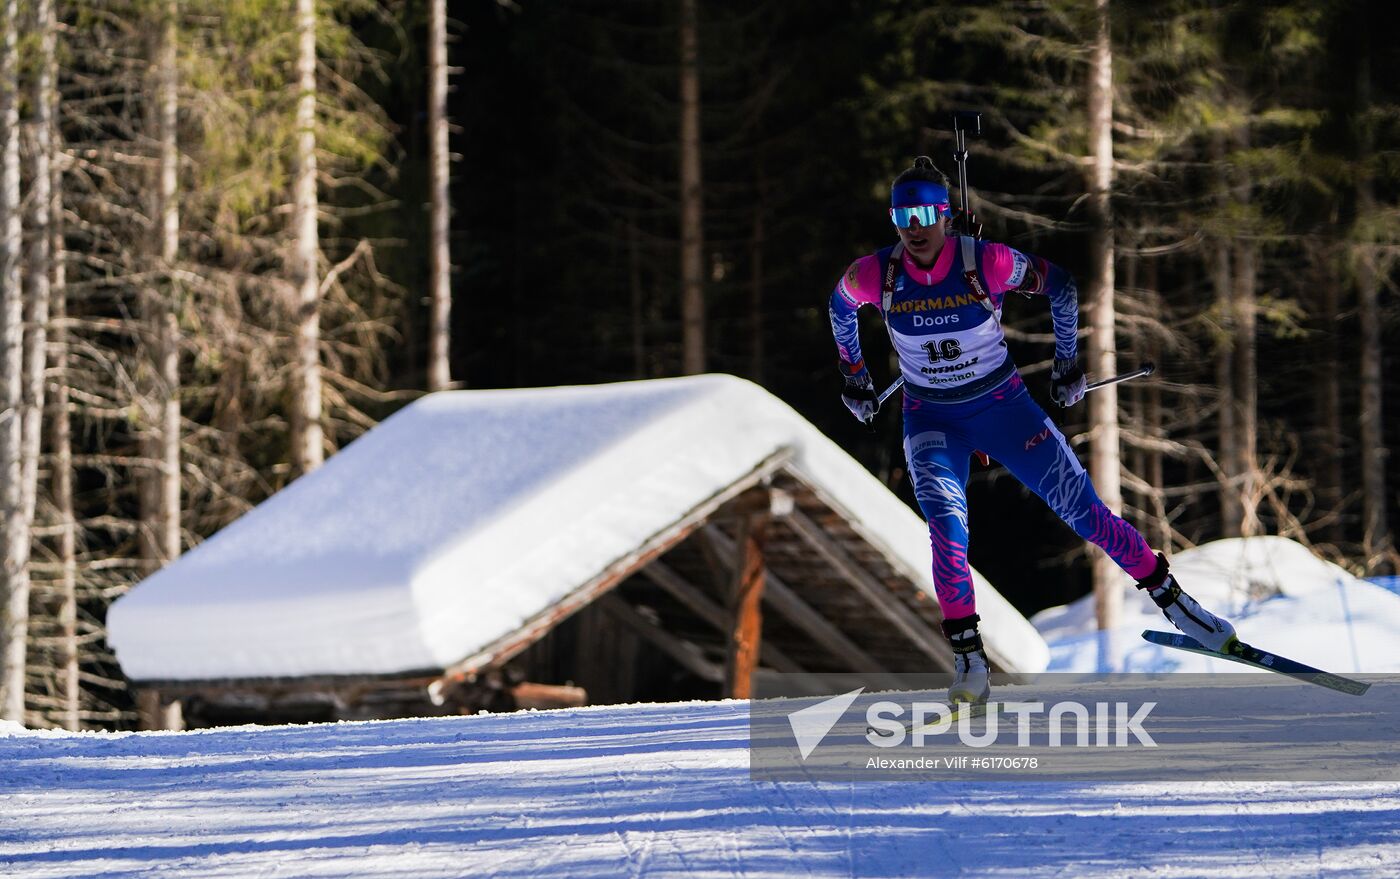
[1157, 577]
[954, 627]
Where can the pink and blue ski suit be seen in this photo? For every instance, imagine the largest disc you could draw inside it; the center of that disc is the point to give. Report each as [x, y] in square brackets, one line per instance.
[962, 393]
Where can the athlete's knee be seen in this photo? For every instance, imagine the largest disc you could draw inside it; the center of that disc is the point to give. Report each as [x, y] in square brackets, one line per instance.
[939, 492]
[1074, 500]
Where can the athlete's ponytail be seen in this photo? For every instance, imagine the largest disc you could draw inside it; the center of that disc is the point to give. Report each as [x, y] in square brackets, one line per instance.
[922, 169]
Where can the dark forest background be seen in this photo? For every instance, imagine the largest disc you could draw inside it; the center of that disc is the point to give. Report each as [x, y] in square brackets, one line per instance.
[1252, 211]
[566, 244]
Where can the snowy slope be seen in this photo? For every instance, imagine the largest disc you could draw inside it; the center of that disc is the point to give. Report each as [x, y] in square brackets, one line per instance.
[1278, 595]
[622, 791]
[468, 512]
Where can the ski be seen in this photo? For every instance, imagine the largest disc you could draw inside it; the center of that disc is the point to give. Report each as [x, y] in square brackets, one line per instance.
[964, 709]
[1263, 659]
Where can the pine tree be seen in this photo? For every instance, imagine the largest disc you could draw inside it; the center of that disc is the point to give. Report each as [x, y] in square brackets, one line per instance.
[1368, 267]
[440, 203]
[14, 524]
[692, 209]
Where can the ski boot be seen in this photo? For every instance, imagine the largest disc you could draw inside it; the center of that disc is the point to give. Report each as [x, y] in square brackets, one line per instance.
[970, 670]
[1185, 612]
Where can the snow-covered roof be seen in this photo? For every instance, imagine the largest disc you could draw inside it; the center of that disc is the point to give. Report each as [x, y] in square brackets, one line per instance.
[468, 513]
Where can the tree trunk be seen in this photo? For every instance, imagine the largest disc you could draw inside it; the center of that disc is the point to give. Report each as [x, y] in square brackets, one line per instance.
[1131, 396]
[1375, 540]
[1105, 456]
[66, 589]
[307, 442]
[1227, 455]
[14, 535]
[757, 243]
[161, 517]
[169, 326]
[1246, 373]
[692, 207]
[1319, 287]
[36, 276]
[638, 300]
[36, 295]
[1330, 488]
[1153, 418]
[64, 598]
[440, 261]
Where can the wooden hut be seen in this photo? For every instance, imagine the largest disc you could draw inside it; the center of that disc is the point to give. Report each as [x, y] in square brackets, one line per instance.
[643, 541]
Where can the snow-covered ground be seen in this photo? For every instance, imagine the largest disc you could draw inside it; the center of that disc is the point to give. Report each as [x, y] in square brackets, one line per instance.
[665, 790]
[1279, 596]
[645, 790]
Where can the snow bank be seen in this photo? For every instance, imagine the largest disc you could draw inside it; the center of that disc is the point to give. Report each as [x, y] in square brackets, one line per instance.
[466, 513]
[13, 730]
[1277, 593]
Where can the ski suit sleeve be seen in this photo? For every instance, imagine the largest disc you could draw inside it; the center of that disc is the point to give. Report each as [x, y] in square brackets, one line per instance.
[860, 285]
[1009, 269]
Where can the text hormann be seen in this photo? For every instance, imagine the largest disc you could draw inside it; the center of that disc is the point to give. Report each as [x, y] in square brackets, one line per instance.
[934, 303]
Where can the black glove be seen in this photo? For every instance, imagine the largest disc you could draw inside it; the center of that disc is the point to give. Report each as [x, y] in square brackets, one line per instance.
[859, 392]
[1066, 382]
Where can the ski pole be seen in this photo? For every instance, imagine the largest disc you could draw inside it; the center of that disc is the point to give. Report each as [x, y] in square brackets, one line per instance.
[1147, 368]
[885, 394]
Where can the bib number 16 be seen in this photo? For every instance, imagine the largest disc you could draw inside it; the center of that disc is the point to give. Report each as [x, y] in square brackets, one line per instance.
[945, 349]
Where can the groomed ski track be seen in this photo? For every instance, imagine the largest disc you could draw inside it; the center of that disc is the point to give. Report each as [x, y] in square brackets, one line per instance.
[641, 790]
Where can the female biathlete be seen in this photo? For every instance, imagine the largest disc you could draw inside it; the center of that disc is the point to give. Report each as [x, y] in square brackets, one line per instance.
[941, 296]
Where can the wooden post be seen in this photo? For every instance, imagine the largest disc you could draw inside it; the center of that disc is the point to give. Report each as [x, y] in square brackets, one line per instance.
[785, 600]
[745, 609]
[528, 694]
[156, 713]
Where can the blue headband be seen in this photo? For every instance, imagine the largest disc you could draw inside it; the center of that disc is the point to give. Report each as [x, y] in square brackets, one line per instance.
[912, 193]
